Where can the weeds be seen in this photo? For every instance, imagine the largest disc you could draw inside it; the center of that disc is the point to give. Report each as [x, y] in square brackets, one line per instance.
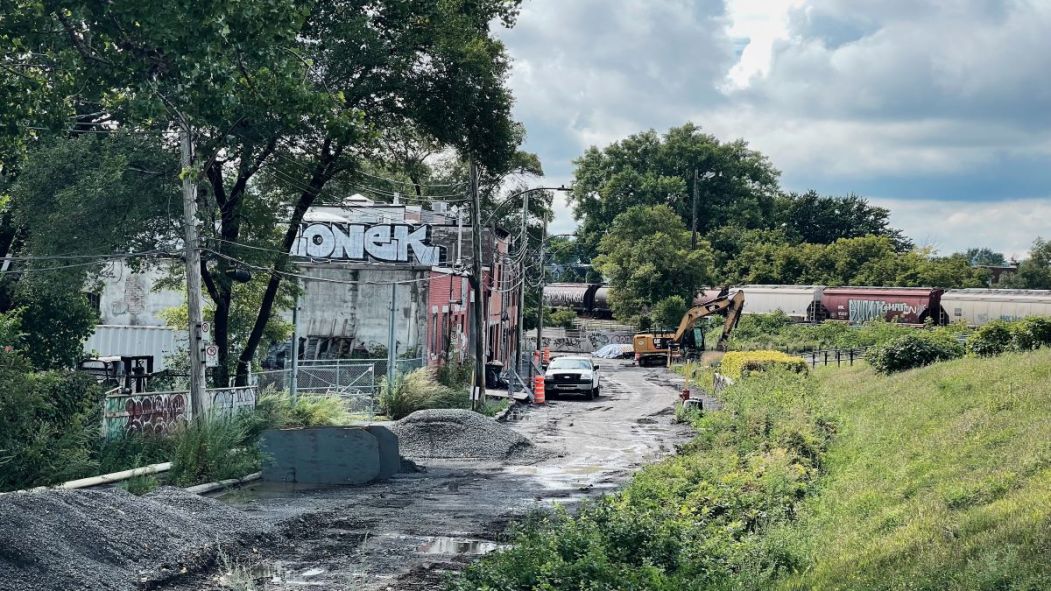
[216, 448]
[419, 390]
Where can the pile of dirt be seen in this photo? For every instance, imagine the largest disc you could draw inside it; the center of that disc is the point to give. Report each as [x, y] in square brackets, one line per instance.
[447, 434]
[109, 539]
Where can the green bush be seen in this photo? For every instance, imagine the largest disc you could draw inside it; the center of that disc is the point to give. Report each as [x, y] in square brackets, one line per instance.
[49, 424]
[991, 339]
[211, 449]
[1031, 333]
[668, 312]
[419, 390]
[914, 349]
[275, 410]
[562, 318]
[455, 375]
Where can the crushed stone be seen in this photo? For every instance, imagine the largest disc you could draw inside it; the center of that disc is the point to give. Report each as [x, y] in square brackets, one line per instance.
[109, 539]
[450, 434]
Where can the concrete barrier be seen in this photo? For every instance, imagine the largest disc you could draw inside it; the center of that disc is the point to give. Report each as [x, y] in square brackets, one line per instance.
[329, 455]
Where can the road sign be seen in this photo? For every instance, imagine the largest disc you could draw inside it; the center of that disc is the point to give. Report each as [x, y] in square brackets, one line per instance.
[211, 356]
[206, 331]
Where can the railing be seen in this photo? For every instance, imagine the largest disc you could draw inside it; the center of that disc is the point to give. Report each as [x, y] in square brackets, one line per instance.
[837, 357]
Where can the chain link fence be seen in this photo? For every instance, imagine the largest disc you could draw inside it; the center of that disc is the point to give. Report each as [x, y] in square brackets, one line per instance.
[356, 381]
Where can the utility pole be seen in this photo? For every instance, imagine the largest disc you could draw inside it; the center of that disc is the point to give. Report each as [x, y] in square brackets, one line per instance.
[543, 279]
[192, 255]
[693, 225]
[293, 381]
[392, 344]
[521, 289]
[479, 329]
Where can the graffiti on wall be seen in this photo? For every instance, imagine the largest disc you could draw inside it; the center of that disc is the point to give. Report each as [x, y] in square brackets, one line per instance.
[385, 243]
[160, 413]
[230, 401]
[865, 310]
[157, 413]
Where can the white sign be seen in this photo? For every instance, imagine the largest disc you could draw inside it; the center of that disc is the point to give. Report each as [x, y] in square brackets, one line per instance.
[211, 356]
[386, 243]
[206, 331]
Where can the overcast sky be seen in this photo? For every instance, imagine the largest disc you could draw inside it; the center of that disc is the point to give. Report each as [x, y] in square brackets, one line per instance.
[939, 110]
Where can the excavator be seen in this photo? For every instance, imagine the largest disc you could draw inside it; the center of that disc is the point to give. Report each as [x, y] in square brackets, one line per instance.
[661, 347]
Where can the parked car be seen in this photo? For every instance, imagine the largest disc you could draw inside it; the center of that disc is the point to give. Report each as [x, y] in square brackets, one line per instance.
[572, 375]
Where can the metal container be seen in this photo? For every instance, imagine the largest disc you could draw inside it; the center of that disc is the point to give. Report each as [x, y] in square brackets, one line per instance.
[980, 306]
[856, 305]
[118, 340]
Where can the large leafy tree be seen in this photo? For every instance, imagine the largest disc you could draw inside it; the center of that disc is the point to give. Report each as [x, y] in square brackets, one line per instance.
[819, 219]
[301, 89]
[647, 257]
[737, 185]
[1034, 272]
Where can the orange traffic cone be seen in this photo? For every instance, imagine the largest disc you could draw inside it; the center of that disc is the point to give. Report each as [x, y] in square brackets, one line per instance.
[538, 390]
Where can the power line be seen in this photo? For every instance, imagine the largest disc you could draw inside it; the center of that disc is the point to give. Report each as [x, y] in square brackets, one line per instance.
[315, 278]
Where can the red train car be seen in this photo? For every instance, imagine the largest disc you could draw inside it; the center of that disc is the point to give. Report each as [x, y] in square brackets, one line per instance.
[856, 305]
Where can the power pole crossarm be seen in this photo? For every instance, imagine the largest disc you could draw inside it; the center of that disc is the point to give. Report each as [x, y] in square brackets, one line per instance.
[193, 278]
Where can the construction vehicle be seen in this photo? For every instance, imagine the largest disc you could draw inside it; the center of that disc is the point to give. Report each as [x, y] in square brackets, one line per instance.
[688, 341]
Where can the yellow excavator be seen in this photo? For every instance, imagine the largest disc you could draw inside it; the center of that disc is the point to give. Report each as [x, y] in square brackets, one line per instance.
[661, 347]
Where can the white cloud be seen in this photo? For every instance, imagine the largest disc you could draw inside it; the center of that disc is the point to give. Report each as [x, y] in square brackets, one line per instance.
[953, 226]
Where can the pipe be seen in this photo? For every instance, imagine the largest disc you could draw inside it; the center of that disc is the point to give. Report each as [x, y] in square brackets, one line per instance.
[115, 476]
[201, 489]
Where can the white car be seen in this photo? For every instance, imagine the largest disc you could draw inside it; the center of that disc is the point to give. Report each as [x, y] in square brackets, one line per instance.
[572, 375]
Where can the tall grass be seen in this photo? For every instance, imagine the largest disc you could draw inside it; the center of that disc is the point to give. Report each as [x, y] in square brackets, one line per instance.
[215, 448]
[419, 390]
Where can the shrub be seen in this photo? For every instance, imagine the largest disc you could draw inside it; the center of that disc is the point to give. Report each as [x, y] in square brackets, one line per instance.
[563, 318]
[668, 312]
[915, 349]
[1031, 333]
[991, 339]
[275, 409]
[737, 364]
[455, 375]
[215, 448]
[419, 390]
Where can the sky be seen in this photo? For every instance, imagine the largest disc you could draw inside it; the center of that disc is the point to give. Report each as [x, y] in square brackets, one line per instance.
[939, 110]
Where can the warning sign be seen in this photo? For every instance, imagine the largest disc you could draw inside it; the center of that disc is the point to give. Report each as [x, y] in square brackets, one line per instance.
[211, 356]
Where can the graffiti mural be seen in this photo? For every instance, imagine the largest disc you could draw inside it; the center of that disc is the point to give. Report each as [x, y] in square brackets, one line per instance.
[158, 413]
[230, 401]
[862, 311]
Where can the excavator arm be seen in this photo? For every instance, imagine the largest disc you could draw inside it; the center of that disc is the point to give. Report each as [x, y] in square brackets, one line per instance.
[730, 306]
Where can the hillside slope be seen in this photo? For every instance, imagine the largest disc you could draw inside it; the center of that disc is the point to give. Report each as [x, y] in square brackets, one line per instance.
[938, 478]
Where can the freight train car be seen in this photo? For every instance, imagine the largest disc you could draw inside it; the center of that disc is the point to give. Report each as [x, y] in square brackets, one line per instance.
[857, 305]
[801, 303]
[586, 299]
[979, 306]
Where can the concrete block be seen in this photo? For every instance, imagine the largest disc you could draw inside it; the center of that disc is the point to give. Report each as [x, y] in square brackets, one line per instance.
[321, 455]
[390, 454]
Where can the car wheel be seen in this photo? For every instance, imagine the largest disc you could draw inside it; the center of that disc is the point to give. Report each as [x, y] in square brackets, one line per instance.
[596, 392]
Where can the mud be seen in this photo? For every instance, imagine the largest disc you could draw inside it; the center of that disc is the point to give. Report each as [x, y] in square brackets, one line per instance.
[412, 531]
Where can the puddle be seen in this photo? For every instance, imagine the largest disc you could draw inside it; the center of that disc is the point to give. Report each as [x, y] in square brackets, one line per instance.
[453, 546]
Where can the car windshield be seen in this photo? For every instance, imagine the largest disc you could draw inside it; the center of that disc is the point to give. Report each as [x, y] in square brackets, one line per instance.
[564, 363]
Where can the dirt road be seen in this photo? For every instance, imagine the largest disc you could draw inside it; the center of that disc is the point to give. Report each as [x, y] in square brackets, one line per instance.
[407, 533]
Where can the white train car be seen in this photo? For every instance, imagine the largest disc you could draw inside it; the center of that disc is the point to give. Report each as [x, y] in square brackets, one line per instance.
[802, 303]
[979, 306]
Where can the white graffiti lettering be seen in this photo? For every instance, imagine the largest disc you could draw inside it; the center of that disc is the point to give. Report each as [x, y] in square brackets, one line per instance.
[861, 311]
[387, 243]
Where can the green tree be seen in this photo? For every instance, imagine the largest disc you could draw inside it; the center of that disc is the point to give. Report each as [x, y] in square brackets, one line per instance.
[669, 311]
[647, 257]
[300, 89]
[985, 256]
[818, 219]
[1035, 271]
[738, 184]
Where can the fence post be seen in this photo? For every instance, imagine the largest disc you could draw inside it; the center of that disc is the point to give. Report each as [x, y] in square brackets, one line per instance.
[839, 361]
[826, 358]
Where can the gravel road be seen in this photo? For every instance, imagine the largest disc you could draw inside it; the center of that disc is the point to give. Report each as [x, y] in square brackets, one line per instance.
[409, 532]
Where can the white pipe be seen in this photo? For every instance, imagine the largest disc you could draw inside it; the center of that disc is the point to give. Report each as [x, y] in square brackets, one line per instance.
[116, 476]
[200, 489]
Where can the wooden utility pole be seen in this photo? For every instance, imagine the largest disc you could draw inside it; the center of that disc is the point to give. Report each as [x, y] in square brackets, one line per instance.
[479, 312]
[543, 278]
[693, 224]
[522, 286]
[192, 255]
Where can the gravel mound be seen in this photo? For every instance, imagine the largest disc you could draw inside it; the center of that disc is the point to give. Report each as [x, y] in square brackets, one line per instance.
[447, 434]
[108, 539]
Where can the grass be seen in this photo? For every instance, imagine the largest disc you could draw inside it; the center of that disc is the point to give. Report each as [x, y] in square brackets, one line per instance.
[937, 478]
[940, 478]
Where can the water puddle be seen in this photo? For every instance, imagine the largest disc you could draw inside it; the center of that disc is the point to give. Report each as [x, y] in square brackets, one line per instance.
[454, 546]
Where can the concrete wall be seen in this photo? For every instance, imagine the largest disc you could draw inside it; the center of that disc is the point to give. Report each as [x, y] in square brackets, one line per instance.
[330, 455]
[128, 298]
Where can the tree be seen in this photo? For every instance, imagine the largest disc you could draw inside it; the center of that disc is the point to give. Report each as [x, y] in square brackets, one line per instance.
[647, 257]
[647, 169]
[1035, 271]
[818, 219]
[669, 312]
[303, 90]
[985, 256]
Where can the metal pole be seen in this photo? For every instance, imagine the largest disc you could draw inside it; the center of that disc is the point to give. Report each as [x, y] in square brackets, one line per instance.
[192, 256]
[521, 289]
[693, 225]
[543, 277]
[293, 381]
[392, 345]
[480, 333]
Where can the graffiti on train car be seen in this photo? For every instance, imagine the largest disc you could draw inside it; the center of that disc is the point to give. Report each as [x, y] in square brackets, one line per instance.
[861, 311]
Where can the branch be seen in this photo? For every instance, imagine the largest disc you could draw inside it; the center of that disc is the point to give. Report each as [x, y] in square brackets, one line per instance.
[209, 283]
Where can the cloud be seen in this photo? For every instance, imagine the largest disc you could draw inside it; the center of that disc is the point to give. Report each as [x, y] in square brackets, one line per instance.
[924, 105]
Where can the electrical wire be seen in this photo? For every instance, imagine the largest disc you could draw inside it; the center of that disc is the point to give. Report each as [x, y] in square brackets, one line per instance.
[314, 278]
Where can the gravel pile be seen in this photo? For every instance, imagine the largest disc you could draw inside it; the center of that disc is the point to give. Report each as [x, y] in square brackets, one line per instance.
[108, 539]
[447, 434]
